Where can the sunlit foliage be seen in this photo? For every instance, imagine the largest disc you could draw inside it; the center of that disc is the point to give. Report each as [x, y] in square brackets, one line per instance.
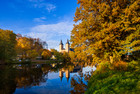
[106, 29]
[29, 47]
[46, 54]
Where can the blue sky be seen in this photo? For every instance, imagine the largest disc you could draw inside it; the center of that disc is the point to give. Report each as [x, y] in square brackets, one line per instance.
[49, 20]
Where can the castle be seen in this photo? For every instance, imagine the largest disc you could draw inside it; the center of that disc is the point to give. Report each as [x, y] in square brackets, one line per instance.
[66, 49]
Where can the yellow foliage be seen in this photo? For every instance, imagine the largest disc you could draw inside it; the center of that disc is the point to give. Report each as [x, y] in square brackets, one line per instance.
[46, 54]
[106, 28]
[23, 43]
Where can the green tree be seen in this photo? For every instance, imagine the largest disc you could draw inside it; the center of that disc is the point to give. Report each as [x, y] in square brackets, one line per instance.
[61, 56]
[46, 54]
[7, 45]
[58, 55]
[106, 29]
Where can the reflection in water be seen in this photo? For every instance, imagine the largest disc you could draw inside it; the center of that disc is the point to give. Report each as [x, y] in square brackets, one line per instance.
[68, 71]
[78, 85]
[29, 76]
[42, 79]
[7, 82]
[79, 82]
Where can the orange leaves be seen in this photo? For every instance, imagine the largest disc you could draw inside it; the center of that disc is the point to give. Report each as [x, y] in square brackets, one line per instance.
[120, 65]
[46, 54]
[23, 42]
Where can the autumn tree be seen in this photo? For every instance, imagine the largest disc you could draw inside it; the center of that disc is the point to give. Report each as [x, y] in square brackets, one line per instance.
[23, 45]
[46, 54]
[29, 47]
[106, 29]
[7, 45]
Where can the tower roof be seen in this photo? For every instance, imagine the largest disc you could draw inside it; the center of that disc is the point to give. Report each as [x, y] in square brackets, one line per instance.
[67, 78]
[67, 42]
[61, 43]
[61, 78]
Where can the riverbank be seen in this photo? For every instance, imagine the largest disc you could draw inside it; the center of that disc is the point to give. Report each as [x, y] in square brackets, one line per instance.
[116, 81]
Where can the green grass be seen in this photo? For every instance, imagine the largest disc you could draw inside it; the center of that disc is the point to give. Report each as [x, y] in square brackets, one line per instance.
[116, 82]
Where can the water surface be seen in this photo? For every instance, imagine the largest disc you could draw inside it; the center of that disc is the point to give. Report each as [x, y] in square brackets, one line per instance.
[42, 78]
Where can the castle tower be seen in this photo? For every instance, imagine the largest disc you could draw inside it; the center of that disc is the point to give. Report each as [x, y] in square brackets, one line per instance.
[67, 75]
[67, 46]
[61, 46]
[61, 74]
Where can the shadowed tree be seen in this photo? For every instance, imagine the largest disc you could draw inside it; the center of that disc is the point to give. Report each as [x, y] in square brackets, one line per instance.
[7, 45]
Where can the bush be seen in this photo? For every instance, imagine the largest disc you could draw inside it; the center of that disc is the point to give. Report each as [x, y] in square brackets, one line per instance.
[116, 81]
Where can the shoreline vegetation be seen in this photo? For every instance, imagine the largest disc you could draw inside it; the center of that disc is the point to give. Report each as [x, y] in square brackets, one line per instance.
[115, 81]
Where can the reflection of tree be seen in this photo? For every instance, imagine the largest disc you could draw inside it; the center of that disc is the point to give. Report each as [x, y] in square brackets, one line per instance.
[79, 82]
[78, 85]
[46, 68]
[7, 80]
[29, 76]
[20, 76]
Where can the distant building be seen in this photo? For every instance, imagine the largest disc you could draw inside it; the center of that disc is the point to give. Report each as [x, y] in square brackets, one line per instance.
[66, 49]
[53, 57]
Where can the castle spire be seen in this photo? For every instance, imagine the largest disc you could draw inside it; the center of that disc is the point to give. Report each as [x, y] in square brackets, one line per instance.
[67, 42]
[61, 43]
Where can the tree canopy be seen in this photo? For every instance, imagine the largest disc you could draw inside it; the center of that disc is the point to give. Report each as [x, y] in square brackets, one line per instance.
[7, 44]
[106, 29]
[29, 47]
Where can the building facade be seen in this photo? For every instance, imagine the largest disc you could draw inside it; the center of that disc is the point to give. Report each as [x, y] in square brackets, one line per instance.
[61, 47]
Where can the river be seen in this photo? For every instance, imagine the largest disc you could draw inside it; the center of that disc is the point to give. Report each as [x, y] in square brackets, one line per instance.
[43, 78]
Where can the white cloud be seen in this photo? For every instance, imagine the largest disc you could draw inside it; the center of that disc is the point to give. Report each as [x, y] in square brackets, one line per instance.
[50, 7]
[62, 28]
[42, 4]
[47, 6]
[52, 33]
[41, 19]
[53, 75]
[53, 44]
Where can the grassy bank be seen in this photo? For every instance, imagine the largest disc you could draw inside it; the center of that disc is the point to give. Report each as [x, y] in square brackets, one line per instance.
[116, 81]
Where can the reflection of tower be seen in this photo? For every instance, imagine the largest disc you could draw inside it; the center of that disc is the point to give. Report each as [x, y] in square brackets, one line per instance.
[61, 46]
[67, 46]
[61, 74]
[67, 75]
